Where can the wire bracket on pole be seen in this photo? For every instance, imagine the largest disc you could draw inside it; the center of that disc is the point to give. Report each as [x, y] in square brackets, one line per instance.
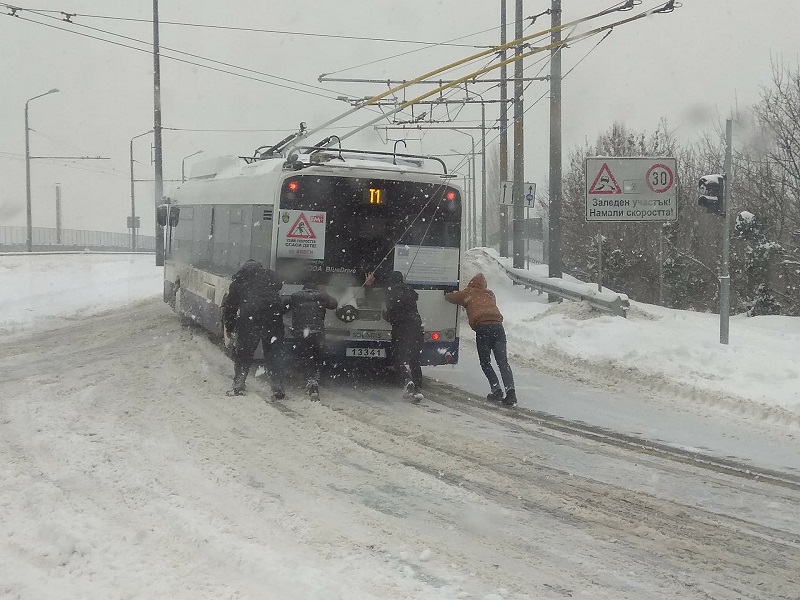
[668, 7]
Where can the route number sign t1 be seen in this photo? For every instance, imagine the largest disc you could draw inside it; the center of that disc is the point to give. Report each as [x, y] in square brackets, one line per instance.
[631, 189]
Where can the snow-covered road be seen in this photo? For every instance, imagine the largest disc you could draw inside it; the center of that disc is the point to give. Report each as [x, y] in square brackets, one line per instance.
[129, 475]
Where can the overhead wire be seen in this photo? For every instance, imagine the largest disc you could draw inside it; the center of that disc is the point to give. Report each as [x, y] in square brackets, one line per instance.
[431, 45]
[69, 16]
[148, 51]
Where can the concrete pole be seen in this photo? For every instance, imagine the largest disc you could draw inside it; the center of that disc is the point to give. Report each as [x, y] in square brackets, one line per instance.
[518, 209]
[554, 214]
[28, 211]
[503, 130]
[483, 173]
[159, 172]
[474, 200]
[725, 279]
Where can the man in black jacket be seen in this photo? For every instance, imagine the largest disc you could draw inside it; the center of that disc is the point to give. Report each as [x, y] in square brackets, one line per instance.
[308, 308]
[253, 310]
[407, 333]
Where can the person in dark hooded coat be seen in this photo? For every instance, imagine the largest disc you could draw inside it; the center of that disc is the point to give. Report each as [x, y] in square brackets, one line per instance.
[407, 332]
[308, 308]
[253, 310]
[490, 335]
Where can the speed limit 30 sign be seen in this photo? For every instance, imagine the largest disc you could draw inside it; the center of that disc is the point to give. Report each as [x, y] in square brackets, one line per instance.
[631, 189]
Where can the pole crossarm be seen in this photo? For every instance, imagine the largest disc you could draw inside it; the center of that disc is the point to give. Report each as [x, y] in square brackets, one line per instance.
[473, 76]
[533, 51]
[407, 126]
[423, 82]
[73, 157]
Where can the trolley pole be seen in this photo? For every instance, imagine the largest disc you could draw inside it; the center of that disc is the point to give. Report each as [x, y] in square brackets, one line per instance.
[725, 278]
[519, 149]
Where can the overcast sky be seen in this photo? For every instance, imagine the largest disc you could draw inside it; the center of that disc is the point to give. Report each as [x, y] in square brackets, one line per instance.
[691, 66]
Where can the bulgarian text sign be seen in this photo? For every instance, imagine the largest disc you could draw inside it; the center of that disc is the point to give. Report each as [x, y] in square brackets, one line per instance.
[631, 189]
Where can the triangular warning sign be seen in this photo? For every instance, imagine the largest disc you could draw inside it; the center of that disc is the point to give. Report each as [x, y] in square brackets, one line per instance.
[605, 183]
[301, 229]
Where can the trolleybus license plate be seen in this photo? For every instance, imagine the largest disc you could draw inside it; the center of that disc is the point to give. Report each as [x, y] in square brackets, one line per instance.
[366, 352]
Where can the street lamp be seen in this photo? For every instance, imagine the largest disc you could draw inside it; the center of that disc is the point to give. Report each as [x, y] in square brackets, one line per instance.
[466, 203]
[183, 164]
[483, 161]
[133, 200]
[473, 201]
[29, 240]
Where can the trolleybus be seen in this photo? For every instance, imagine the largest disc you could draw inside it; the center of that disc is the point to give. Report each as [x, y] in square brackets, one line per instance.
[328, 216]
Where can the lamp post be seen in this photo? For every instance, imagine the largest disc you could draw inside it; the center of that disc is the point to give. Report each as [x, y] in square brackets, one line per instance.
[473, 202]
[483, 161]
[133, 198]
[183, 165]
[29, 240]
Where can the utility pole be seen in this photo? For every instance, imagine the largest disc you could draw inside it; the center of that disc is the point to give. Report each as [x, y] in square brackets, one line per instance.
[483, 174]
[554, 214]
[725, 278]
[58, 213]
[519, 149]
[503, 129]
[159, 173]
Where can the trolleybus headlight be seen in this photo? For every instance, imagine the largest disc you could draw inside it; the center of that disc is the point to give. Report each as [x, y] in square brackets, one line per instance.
[347, 313]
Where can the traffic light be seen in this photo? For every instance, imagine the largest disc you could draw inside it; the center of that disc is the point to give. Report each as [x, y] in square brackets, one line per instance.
[712, 193]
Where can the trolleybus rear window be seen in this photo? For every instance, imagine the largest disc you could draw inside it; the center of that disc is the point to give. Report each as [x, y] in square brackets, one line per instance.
[366, 219]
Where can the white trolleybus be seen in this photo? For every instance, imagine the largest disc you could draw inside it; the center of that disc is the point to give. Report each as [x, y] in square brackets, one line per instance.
[326, 214]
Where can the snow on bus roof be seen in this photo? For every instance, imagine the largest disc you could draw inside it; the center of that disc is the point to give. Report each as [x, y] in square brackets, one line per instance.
[226, 167]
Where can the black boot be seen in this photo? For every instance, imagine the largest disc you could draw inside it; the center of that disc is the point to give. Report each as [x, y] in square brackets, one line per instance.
[313, 390]
[496, 395]
[511, 398]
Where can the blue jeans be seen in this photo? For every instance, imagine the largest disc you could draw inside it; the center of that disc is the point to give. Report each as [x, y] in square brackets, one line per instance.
[491, 338]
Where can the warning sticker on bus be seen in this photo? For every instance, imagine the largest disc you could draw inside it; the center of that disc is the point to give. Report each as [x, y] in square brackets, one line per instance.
[301, 234]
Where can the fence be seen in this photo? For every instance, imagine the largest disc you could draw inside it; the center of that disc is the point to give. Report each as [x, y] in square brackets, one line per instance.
[14, 239]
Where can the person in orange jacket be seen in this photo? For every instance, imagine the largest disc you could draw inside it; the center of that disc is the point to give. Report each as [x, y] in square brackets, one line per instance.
[490, 336]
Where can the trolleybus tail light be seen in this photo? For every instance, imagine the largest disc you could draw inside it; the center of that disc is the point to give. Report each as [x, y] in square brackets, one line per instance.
[293, 186]
[450, 195]
[435, 336]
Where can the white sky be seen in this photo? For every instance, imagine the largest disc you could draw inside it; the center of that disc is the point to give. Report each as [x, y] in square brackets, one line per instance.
[689, 66]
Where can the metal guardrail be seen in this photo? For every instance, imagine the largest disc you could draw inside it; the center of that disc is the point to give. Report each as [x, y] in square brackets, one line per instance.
[13, 238]
[606, 301]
